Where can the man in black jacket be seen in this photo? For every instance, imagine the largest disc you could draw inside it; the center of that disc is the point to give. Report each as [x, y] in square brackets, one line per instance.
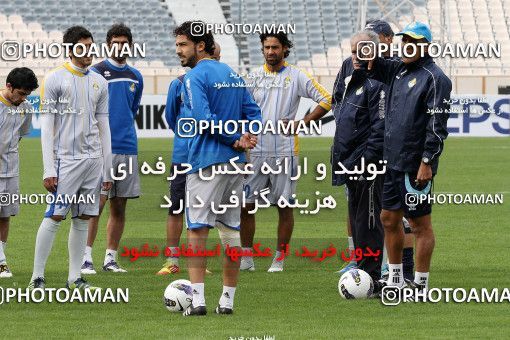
[415, 130]
[385, 33]
[358, 142]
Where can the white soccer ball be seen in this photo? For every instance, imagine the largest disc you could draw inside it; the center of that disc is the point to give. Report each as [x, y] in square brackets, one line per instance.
[355, 284]
[178, 295]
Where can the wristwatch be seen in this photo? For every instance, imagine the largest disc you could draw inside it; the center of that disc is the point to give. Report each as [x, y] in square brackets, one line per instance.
[426, 160]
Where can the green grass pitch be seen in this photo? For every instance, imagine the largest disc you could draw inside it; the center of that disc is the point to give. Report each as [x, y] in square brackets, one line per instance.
[472, 247]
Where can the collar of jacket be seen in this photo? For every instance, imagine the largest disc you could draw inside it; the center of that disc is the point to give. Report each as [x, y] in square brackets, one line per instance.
[358, 76]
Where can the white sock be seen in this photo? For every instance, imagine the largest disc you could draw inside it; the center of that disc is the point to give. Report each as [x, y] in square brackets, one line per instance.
[110, 255]
[277, 256]
[76, 244]
[351, 242]
[198, 294]
[43, 243]
[3, 260]
[88, 254]
[422, 279]
[351, 245]
[396, 277]
[173, 259]
[227, 298]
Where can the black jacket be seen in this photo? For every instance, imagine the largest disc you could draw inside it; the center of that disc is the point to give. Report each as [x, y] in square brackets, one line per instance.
[359, 125]
[339, 86]
[417, 114]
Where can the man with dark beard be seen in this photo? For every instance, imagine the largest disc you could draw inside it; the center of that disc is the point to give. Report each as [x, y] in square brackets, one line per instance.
[209, 105]
[277, 88]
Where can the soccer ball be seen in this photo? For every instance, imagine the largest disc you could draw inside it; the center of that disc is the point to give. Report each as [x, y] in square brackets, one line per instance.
[355, 284]
[178, 295]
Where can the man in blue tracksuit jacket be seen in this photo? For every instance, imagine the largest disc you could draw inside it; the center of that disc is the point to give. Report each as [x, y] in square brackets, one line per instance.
[360, 134]
[174, 111]
[125, 87]
[415, 130]
[213, 94]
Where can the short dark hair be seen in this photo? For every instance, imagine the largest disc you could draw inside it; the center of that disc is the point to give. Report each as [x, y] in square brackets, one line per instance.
[282, 38]
[190, 30]
[119, 30]
[22, 78]
[75, 33]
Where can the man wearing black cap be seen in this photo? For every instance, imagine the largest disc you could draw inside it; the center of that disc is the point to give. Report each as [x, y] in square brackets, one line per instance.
[383, 29]
[415, 130]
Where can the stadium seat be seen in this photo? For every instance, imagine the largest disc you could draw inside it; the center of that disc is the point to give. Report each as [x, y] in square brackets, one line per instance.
[9, 35]
[15, 19]
[34, 27]
[5, 26]
[50, 15]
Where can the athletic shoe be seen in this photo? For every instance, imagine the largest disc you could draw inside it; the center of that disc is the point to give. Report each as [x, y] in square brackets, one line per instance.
[81, 284]
[276, 266]
[169, 268]
[413, 285]
[247, 263]
[4, 271]
[88, 268]
[378, 287]
[410, 284]
[223, 310]
[195, 311]
[38, 282]
[347, 267]
[112, 266]
[385, 272]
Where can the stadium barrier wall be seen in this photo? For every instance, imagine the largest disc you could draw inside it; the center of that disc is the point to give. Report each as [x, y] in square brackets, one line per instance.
[471, 116]
[462, 84]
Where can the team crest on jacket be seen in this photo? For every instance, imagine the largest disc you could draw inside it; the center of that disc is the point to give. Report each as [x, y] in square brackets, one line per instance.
[411, 83]
[287, 82]
[95, 86]
[132, 87]
[347, 80]
[359, 91]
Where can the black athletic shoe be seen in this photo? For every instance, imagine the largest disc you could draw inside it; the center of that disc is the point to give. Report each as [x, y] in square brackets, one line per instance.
[413, 285]
[38, 282]
[378, 286]
[195, 311]
[223, 310]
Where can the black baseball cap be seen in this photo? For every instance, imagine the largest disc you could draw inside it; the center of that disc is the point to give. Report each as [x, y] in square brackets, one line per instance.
[379, 27]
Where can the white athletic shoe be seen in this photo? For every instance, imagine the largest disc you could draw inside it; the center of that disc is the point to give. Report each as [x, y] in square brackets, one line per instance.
[276, 266]
[4, 271]
[112, 266]
[247, 264]
[88, 268]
